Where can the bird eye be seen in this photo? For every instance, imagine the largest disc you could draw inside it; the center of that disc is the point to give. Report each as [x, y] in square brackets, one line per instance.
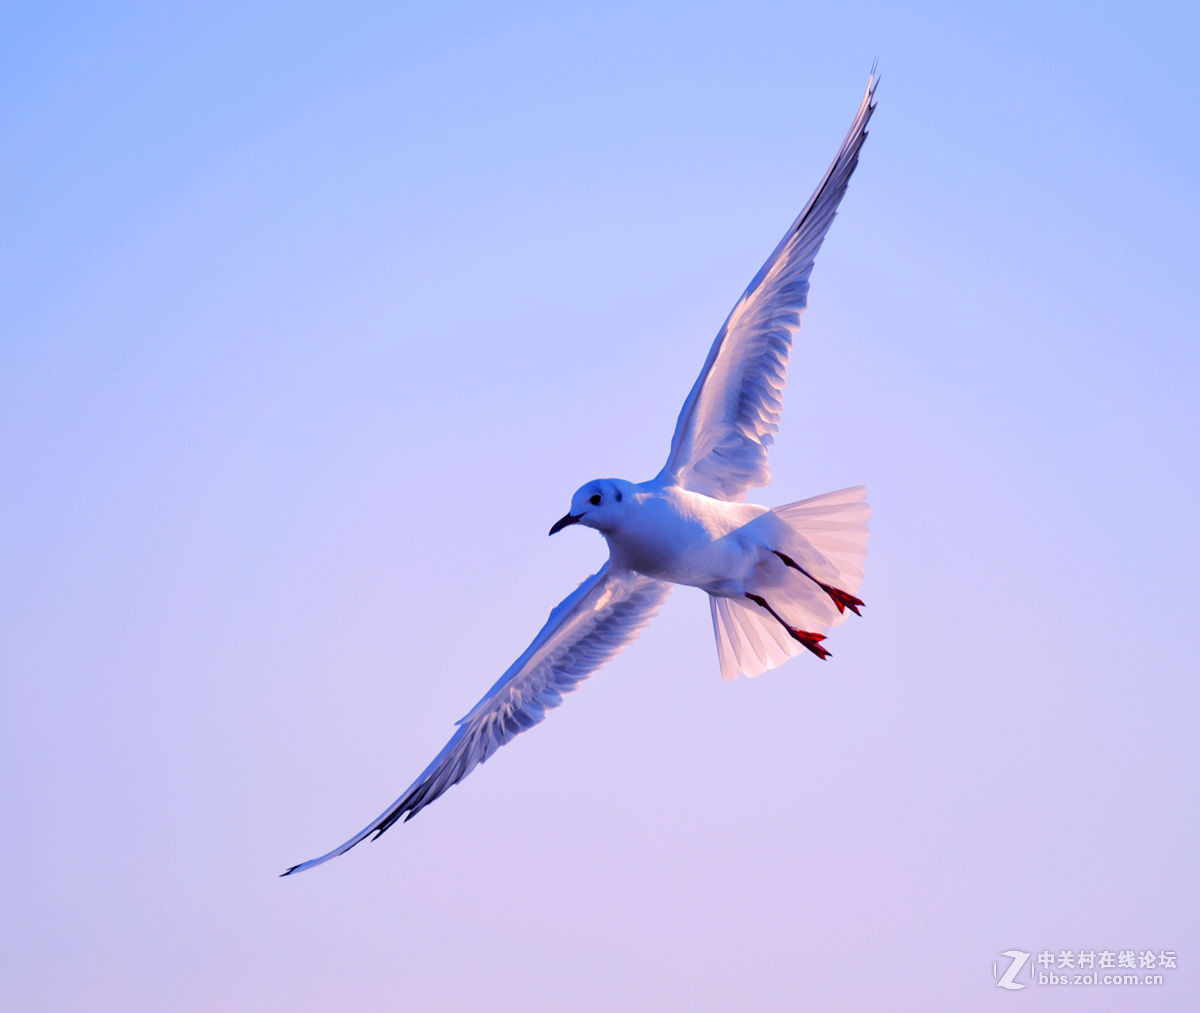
[594, 500]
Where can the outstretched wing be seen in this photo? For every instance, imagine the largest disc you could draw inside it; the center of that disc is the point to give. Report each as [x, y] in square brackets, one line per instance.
[732, 413]
[586, 630]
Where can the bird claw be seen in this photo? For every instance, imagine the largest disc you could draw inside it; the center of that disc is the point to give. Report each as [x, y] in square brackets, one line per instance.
[810, 640]
[843, 599]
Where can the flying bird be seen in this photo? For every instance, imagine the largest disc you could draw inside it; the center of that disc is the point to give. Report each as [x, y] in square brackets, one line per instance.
[777, 579]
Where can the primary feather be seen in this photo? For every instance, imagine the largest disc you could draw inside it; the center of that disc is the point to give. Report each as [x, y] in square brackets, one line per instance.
[585, 631]
[732, 413]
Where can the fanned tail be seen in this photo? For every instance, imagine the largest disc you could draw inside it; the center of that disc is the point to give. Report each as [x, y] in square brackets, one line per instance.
[812, 581]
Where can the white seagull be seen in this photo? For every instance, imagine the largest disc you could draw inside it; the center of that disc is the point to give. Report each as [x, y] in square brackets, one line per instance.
[777, 579]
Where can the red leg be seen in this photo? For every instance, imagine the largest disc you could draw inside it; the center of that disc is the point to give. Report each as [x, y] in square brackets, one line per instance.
[842, 599]
[810, 640]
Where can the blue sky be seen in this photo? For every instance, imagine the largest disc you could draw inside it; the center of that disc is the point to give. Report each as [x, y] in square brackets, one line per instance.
[314, 318]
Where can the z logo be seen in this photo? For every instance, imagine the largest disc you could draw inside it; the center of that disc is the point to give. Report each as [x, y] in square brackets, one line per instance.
[1018, 958]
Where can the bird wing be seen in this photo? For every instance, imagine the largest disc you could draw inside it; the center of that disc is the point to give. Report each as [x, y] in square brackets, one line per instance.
[731, 415]
[585, 631]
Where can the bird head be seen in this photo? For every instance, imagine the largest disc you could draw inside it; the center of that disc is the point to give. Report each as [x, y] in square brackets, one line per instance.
[599, 504]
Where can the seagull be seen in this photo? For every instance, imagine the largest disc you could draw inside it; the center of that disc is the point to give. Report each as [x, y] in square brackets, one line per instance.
[777, 579]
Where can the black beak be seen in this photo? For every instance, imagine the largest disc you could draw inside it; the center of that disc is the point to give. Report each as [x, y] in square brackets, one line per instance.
[563, 522]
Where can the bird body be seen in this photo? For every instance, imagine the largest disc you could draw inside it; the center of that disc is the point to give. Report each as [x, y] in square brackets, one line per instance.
[681, 536]
[777, 579]
[802, 560]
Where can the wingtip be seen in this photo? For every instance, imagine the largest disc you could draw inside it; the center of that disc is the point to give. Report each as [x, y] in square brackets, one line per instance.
[312, 863]
[872, 84]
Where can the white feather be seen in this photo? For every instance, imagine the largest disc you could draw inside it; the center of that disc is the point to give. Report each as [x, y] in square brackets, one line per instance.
[731, 415]
[586, 630]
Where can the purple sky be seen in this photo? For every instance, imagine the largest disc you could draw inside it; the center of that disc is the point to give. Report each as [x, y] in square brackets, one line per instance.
[313, 320]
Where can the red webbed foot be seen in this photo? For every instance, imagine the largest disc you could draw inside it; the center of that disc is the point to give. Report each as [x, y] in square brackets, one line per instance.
[810, 640]
[843, 599]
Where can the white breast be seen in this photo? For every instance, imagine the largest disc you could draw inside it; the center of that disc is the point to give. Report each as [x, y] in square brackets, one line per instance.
[685, 537]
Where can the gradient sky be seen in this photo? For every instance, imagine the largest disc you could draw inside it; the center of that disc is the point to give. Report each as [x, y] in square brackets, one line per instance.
[312, 320]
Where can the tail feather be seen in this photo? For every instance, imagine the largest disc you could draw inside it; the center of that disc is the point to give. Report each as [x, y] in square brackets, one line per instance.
[827, 536]
[835, 525]
[748, 640]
